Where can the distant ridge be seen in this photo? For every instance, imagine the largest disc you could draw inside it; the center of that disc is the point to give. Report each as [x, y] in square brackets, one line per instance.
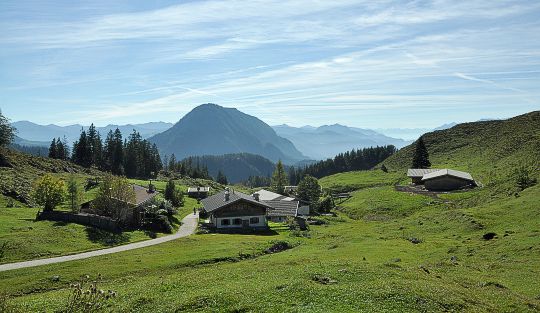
[33, 132]
[329, 140]
[210, 129]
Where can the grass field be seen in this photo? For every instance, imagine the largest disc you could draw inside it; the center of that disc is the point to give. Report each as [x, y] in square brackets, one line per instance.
[27, 239]
[361, 264]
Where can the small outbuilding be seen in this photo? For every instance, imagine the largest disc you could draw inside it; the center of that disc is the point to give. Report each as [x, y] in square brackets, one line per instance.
[447, 179]
[198, 192]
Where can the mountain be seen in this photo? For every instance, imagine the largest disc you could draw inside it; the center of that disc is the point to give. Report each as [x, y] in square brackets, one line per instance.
[489, 150]
[329, 140]
[210, 129]
[45, 133]
[237, 167]
[446, 126]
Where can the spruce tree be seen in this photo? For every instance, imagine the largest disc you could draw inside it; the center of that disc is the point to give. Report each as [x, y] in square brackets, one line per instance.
[421, 156]
[279, 179]
[221, 178]
[52, 149]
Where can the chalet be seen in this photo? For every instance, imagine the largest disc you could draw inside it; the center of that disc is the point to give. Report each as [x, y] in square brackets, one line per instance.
[447, 179]
[233, 209]
[198, 192]
[416, 174]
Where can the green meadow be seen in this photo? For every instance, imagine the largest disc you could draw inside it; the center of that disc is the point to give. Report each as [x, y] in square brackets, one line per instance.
[364, 259]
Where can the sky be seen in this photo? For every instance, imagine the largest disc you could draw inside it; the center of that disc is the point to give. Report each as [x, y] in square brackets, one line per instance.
[371, 64]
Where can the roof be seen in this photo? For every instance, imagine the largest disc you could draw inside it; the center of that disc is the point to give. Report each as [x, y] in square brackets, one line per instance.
[420, 172]
[142, 194]
[201, 189]
[217, 201]
[448, 172]
[265, 195]
[282, 208]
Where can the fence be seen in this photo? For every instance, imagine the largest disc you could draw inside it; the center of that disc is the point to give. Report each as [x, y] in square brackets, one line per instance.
[101, 222]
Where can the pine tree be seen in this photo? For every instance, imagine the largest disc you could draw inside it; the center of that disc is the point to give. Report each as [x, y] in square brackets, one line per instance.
[279, 178]
[52, 149]
[221, 178]
[421, 156]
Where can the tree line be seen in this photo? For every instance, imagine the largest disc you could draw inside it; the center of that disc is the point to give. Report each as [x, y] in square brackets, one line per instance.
[354, 160]
[190, 166]
[132, 157]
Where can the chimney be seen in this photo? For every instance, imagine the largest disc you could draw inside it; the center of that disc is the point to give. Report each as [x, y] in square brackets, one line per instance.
[256, 196]
[227, 194]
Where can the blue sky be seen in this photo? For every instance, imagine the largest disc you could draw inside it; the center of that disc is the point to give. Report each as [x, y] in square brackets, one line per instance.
[374, 64]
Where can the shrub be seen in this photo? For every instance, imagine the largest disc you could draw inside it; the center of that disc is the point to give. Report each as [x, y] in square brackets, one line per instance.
[48, 192]
[523, 179]
[168, 207]
[158, 223]
[10, 203]
[326, 205]
[87, 297]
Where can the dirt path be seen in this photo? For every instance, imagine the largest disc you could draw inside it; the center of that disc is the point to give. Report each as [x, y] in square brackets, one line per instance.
[189, 225]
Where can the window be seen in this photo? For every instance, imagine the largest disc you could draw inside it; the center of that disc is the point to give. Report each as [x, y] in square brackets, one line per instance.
[254, 220]
[237, 221]
[225, 222]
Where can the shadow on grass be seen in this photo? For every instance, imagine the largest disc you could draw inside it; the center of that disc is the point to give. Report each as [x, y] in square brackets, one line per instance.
[59, 224]
[106, 238]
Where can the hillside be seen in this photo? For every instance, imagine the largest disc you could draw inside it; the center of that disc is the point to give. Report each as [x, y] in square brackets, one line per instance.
[490, 150]
[329, 140]
[19, 170]
[210, 129]
[237, 167]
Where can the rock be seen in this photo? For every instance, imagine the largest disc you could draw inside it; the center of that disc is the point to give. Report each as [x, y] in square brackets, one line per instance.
[396, 260]
[55, 278]
[453, 259]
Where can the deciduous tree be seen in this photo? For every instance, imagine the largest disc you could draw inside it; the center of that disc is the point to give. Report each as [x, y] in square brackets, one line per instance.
[48, 192]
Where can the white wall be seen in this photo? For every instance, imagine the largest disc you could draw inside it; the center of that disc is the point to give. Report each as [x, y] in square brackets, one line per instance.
[217, 221]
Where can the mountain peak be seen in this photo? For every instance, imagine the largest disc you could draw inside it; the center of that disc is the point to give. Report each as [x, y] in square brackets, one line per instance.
[210, 129]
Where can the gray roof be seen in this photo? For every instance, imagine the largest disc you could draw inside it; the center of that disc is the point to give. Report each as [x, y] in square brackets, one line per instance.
[275, 207]
[265, 195]
[448, 172]
[282, 208]
[420, 172]
[217, 201]
[142, 194]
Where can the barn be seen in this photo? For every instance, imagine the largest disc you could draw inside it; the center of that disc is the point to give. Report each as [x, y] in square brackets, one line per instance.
[416, 174]
[447, 179]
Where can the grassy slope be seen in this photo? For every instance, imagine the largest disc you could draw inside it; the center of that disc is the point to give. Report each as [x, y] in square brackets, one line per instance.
[28, 239]
[497, 275]
[488, 150]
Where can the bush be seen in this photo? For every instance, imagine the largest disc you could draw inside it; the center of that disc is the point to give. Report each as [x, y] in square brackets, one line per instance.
[168, 207]
[10, 203]
[158, 223]
[326, 205]
[86, 297]
[523, 179]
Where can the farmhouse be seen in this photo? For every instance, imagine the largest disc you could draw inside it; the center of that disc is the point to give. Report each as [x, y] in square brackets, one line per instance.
[198, 192]
[447, 179]
[233, 209]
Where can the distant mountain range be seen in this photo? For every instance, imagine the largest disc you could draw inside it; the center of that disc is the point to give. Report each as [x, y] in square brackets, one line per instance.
[329, 140]
[210, 129]
[35, 133]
